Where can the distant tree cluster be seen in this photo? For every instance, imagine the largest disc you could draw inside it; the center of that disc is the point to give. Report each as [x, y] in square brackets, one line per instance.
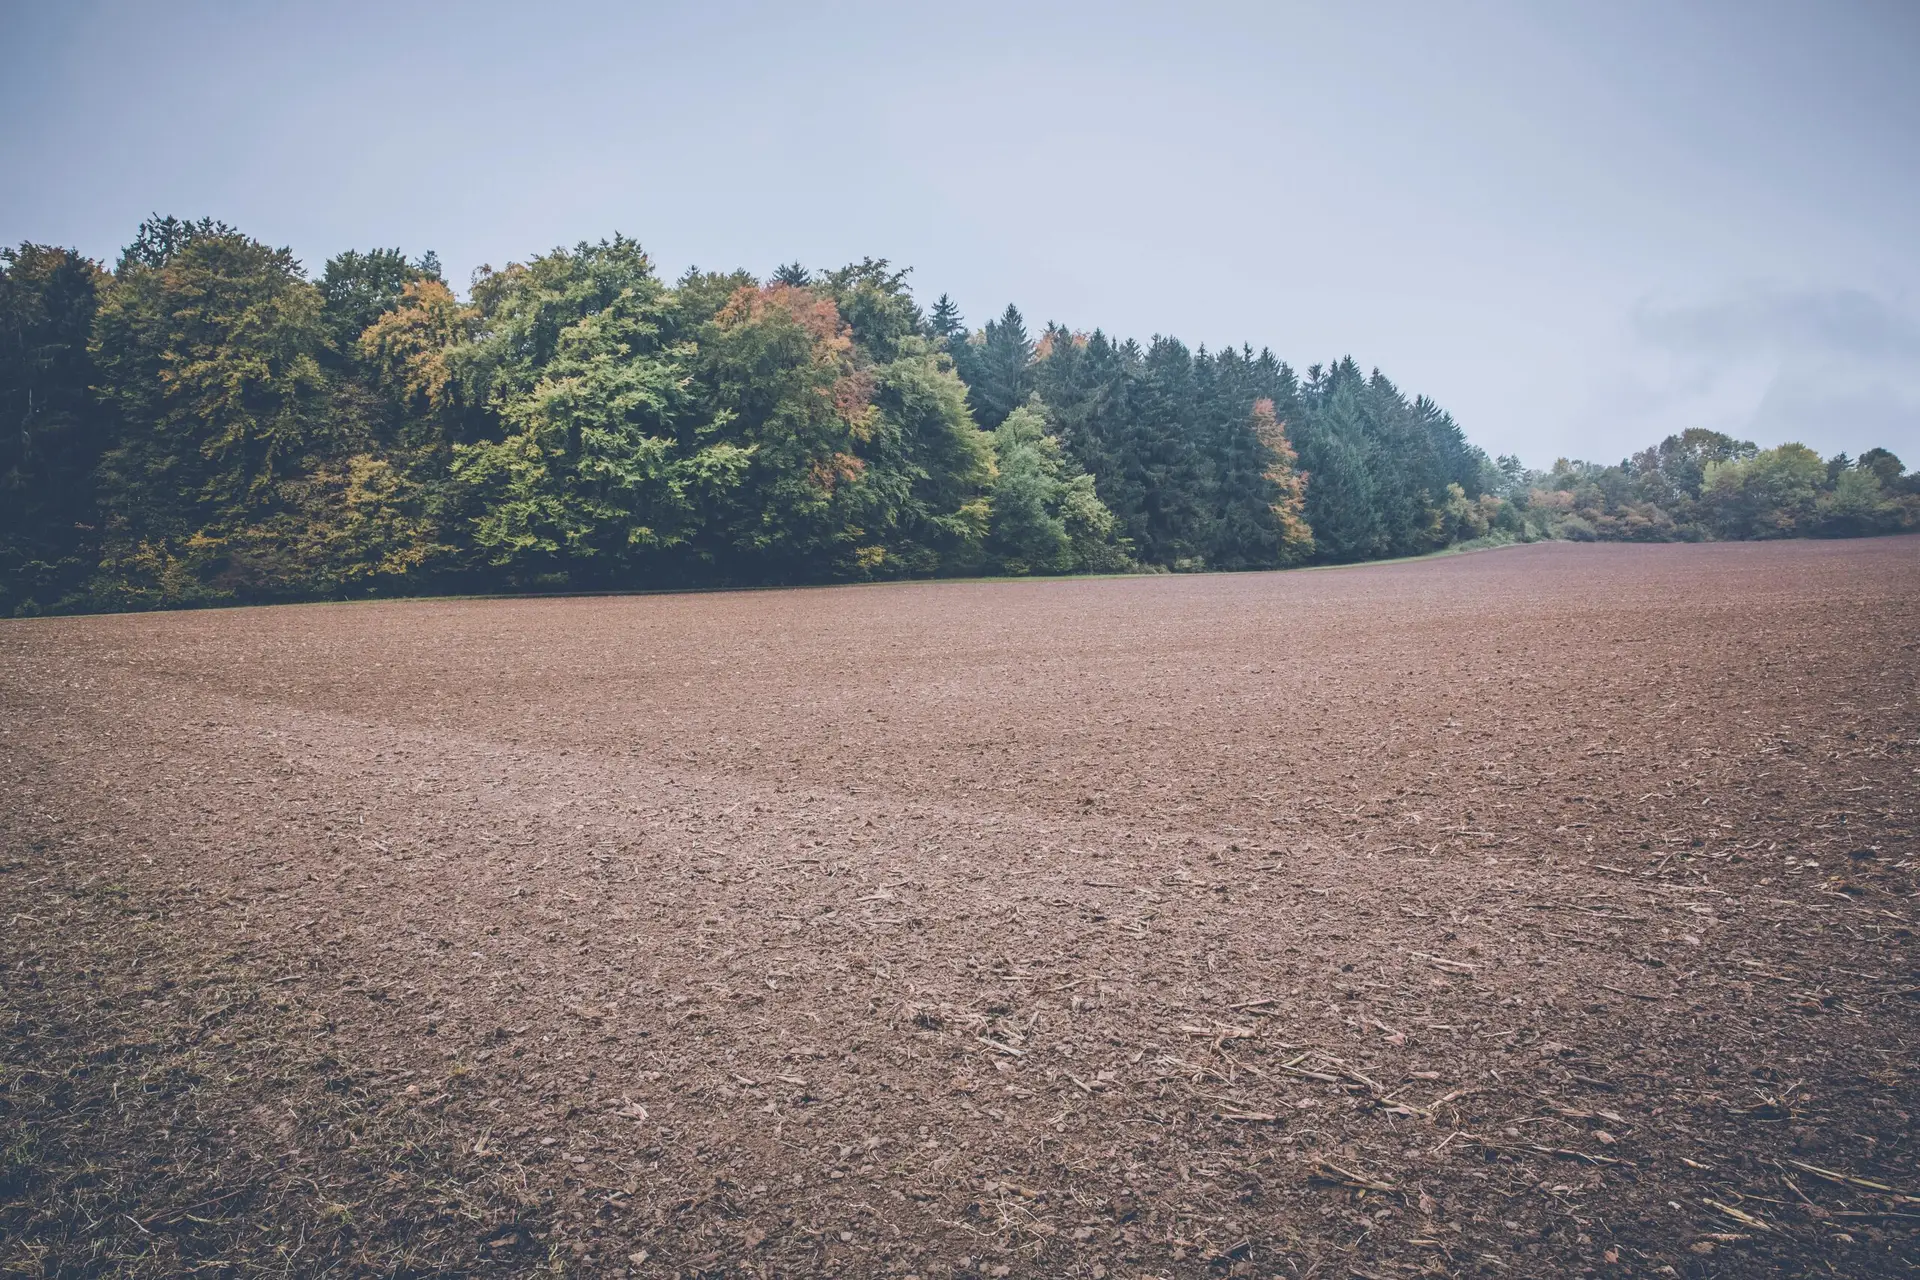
[1702, 485]
[203, 423]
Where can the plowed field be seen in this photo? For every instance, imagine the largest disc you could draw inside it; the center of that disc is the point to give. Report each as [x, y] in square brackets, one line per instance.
[1541, 912]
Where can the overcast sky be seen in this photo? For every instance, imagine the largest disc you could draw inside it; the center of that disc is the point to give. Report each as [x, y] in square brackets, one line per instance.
[1577, 227]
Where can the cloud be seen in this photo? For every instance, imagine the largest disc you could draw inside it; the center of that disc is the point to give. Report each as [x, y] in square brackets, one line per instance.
[1762, 320]
[1797, 407]
[1645, 392]
[1834, 368]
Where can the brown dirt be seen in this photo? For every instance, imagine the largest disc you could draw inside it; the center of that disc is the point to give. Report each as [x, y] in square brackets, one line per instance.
[1542, 912]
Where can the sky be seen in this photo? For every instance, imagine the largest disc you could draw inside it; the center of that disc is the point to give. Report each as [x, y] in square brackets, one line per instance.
[1577, 227]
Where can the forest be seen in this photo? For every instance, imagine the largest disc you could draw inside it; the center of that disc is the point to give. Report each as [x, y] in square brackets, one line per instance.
[205, 423]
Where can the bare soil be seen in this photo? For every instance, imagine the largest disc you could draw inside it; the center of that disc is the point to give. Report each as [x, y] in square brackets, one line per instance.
[1542, 912]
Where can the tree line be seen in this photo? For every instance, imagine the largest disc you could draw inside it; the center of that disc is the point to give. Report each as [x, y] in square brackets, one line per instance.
[204, 423]
[1701, 485]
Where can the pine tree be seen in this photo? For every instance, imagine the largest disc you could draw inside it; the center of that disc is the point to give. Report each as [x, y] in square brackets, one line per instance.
[997, 377]
[52, 431]
[945, 324]
[1159, 448]
[1340, 501]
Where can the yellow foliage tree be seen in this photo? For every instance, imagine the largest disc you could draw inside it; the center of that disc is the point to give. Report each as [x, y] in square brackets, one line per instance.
[1290, 507]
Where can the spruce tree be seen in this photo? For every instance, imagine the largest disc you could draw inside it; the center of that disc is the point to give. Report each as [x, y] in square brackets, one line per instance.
[945, 324]
[52, 430]
[997, 378]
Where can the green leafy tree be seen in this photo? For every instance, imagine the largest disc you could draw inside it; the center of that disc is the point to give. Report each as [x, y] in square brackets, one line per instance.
[1046, 515]
[211, 363]
[355, 523]
[158, 239]
[789, 392]
[1856, 505]
[600, 464]
[698, 297]
[1885, 467]
[1671, 474]
[356, 288]
[409, 349]
[931, 465]
[877, 306]
[1773, 494]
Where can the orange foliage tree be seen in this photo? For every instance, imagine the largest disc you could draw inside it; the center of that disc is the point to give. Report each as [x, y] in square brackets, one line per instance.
[1290, 505]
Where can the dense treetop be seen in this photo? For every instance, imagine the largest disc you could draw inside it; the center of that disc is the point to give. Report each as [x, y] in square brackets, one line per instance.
[204, 423]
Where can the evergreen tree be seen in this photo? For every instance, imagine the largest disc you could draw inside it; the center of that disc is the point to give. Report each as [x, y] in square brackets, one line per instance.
[995, 368]
[945, 324]
[1258, 511]
[1240, 530]
[1087, 385]
[1159, 447]
[1334, 452]
[52, 431]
